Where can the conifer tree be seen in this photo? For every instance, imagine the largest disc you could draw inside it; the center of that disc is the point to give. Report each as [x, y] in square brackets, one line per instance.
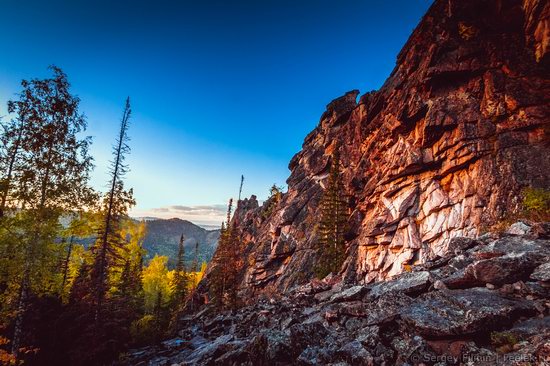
[333, 222]
[234, 266]
[181, 279]
[195, 264]
[220, 266]
[130, 287]
[227, 266]
[116, 205]
[66, 262]
[241, 187]
[194, 277]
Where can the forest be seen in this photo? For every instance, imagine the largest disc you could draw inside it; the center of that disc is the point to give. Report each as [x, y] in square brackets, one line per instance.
[61, 302]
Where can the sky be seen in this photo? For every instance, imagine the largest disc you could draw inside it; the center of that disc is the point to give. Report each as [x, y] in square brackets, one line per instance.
[218, 88]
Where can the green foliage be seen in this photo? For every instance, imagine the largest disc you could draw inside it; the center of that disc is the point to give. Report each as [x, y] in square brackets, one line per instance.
[156, 280]
[85, 306]
[536, 202]
[504, 341]
[116, 204]
[45, 169]
[180, 280]
[143, 330]
[332, 224]
[227, 265]
[275, 195]
[51, 164]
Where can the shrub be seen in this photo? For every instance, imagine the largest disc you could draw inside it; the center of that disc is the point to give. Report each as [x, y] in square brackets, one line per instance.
[503, 341]
[536, 201]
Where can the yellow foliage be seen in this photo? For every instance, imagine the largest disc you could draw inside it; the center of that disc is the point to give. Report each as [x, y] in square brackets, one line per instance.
[133, 233]
[536, 201]
[196, 277]
[78, 256]
[466, 31]
[142, 329]
[156, 281]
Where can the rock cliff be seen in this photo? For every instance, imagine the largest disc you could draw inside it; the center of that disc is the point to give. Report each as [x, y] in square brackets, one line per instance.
[442, 150]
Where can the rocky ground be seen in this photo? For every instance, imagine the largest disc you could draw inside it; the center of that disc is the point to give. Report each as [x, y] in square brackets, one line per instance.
[485, 301]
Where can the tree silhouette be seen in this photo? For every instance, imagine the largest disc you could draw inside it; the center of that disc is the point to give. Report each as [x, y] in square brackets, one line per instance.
[116, 205]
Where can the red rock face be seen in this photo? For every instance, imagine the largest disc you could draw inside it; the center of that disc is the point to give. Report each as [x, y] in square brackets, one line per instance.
[443, 148]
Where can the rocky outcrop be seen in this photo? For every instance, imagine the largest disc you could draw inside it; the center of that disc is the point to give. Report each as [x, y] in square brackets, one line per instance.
[441, 151]
[408, 320]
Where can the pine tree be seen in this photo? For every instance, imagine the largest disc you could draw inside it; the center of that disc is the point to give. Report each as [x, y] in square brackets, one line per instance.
[116, 205]
[333, 223]
[241, 187]
[227, 265]
[234, 266]
[194, 278]
[66, 263]
[194, 265]
[220, 266]
[180, 283]
[130, 288]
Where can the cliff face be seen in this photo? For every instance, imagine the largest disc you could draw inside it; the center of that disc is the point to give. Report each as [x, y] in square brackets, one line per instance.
[443, 149]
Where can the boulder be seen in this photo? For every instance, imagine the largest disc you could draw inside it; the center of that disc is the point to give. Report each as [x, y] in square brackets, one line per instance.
[462, 312]
[506, 269]
[303, 335]
[271, 347]
[507, 260]
[383, 310]
[350, 294]
[355, 354]
[409, 283]
[519, 228]
[542, 273]
[211, 350]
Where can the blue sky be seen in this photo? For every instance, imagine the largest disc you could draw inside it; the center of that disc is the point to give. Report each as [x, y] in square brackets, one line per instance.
[218, 88]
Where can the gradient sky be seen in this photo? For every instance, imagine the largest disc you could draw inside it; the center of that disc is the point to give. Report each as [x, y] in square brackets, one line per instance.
[218, 88]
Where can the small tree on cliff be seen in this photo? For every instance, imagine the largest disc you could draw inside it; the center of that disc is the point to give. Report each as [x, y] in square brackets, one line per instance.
[228, 263]
[331, 242]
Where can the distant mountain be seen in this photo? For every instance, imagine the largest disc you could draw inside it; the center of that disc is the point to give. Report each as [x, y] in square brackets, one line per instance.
[163, 236]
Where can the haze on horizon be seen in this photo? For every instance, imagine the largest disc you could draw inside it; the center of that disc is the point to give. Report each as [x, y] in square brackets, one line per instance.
[218, 89]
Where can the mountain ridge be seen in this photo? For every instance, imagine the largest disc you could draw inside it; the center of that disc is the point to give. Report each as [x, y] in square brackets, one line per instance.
[162, 238]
